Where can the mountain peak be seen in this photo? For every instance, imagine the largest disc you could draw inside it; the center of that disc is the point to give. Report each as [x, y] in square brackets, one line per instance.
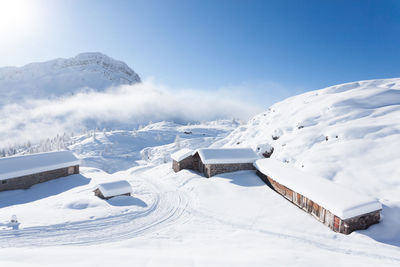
[64, 76]
[86, 55]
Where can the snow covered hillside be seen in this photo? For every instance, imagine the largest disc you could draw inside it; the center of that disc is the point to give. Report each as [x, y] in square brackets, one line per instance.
[63, 77]
[346, 133]
[118, 150]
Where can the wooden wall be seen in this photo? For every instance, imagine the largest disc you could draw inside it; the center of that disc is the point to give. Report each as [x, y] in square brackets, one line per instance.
[346, 226]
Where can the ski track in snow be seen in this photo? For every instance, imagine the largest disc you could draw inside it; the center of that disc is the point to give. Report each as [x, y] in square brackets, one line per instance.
[167, 207]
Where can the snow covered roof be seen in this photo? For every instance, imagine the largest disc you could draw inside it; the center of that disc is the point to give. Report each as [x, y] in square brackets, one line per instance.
[182, 154]
[341, 201]
[16, 166]
[227, 155]
[115, 188]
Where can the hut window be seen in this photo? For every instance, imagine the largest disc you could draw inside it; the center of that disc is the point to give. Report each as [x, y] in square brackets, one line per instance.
[71, 170]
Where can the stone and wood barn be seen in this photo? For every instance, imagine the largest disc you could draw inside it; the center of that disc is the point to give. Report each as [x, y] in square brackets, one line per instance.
[113, 189]
[182, 159]
[21, 172]
[338, 207]
[213, 161]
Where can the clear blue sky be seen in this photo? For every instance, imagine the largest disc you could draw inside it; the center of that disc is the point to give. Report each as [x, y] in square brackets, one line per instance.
[271, 48]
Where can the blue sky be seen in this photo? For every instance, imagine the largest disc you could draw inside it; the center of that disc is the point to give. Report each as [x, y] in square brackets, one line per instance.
[271, 49]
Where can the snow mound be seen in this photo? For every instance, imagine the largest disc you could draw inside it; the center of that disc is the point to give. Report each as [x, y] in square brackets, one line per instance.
[81, 204]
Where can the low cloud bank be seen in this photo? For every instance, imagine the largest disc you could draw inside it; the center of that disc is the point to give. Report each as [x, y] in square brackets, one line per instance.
[121, 107]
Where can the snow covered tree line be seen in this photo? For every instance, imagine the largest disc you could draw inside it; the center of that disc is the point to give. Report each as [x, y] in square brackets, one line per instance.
[59, 142]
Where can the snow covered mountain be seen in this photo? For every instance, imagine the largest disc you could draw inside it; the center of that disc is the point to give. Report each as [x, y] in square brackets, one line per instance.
[63, 77]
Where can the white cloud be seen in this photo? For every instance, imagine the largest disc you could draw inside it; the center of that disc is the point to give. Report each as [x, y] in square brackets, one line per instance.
[119, 107]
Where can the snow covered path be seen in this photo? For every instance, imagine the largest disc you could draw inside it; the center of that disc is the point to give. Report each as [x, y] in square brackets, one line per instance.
[168, 206]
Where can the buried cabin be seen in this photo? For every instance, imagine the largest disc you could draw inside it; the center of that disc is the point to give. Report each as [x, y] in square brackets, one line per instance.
[339, 208]
[113, 189]
[21, 172]
[213, 161]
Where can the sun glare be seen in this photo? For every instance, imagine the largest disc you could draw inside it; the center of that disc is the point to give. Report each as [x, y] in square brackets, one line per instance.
[16, 16]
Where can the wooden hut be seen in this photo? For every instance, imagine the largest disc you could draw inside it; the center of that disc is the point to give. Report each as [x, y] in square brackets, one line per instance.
[341, 209]
[21, 172]
[113, 189]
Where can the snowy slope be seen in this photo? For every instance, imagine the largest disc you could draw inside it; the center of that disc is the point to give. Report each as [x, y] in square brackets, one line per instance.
[234, 219]
[118, 150]
[63, 77]
[347, 133]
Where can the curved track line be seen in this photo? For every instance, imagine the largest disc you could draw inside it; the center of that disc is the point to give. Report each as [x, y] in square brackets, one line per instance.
[167, 208]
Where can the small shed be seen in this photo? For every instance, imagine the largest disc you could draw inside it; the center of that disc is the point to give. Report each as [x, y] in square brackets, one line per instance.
[21, 172]
[182, 159]
[112, 189]
[340, 208]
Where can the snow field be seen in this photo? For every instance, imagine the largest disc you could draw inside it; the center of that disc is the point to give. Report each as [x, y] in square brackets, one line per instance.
[233, 219]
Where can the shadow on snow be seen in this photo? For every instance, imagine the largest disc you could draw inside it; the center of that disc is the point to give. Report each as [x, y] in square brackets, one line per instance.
[42, 190]
[388, 229]
[121, 201]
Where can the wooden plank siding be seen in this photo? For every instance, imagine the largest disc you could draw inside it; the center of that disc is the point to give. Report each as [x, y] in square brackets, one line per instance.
[320, 213]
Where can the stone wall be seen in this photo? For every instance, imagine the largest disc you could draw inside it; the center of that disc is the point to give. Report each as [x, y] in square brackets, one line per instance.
[27, 181]
[320, 213]
[186, 163]
[197, 163]
[214, 169]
